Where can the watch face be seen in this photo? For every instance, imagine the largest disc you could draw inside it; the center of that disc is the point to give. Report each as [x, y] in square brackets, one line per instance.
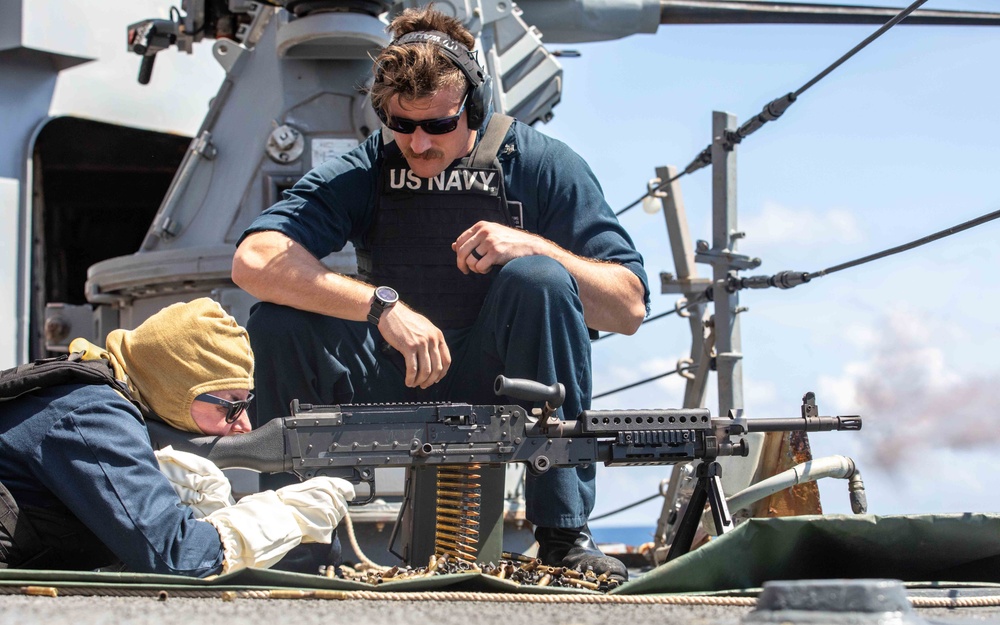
[386, 294]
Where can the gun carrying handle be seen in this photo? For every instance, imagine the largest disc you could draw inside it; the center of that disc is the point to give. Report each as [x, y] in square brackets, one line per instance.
[529, 390]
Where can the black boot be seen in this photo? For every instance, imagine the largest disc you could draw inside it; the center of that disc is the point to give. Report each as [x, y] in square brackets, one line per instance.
[576, 549]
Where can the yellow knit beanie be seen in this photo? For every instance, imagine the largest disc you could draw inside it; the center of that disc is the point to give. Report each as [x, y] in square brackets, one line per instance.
[179, 353]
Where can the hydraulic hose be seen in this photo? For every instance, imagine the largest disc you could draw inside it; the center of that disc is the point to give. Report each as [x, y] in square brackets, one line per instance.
[840, 467]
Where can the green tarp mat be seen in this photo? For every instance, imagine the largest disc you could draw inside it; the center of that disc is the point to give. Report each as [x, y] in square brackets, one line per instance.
[958, 548]
[912, 548]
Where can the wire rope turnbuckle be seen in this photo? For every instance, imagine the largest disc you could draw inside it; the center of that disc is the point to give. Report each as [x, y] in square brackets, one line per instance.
[771, 111]
[780, 280]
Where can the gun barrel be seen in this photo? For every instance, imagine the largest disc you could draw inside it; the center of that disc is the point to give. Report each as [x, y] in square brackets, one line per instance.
[809, 424]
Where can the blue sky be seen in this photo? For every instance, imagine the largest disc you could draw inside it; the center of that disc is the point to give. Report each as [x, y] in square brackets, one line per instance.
[897, 143]
[892, 146]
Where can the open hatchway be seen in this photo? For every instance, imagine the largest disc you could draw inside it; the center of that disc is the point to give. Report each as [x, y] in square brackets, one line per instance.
[95, 188]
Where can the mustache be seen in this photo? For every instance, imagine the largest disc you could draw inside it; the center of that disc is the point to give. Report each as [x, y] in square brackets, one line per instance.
[427, 155]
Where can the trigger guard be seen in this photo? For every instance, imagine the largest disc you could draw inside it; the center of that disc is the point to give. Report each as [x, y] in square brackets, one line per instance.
[371, 490]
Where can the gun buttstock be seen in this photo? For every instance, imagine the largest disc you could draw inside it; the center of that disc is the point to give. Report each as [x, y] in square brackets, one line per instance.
[261, 450]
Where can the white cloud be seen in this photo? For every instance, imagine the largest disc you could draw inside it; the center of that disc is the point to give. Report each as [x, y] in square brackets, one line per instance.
[777, 224]
[860, 336]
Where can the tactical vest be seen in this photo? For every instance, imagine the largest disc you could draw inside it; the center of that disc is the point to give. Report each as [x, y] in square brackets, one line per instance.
[65, 369]
[417, 219]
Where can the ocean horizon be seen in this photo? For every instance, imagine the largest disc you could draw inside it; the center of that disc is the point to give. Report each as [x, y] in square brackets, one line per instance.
[632, 535]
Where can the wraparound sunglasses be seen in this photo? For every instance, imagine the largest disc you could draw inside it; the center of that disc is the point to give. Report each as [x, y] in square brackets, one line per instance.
[233, 408]
[439, 126]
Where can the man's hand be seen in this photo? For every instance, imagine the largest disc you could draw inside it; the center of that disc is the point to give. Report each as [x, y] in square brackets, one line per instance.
[488, 243]
[200, 484]
[421, 343]
[318, 505]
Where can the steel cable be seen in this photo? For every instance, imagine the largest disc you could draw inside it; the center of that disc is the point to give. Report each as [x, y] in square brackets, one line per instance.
[777, 107]
[972, 223]
[624, 508]
[641, 382]
[875, 35]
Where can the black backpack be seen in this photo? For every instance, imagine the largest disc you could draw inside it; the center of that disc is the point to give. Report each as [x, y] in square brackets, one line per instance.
[65, 369]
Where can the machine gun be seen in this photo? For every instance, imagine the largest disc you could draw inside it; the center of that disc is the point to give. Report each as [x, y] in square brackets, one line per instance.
[455, 453]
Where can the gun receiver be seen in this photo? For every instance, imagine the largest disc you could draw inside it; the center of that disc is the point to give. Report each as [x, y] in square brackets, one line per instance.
[351, 441]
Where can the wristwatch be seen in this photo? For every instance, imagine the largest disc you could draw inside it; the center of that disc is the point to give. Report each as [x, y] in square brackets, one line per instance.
[385, 298]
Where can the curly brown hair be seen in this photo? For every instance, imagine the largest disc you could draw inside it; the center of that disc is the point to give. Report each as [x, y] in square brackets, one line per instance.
[417, 71]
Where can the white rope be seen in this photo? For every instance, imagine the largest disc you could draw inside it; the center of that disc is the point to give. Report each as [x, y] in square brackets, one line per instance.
[370, 595]
[349, 524]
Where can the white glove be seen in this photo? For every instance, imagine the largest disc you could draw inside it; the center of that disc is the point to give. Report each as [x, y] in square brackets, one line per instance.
[318, 506]
[197, 481]
[256, 532]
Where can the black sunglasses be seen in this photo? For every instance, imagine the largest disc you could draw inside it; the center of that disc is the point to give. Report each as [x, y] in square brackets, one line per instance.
[439, 126]
[233, 408]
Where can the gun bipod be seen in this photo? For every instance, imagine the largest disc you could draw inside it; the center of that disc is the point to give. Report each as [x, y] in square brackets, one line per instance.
[707, 489]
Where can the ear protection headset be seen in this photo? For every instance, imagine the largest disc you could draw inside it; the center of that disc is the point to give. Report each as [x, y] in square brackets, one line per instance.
[480, 84]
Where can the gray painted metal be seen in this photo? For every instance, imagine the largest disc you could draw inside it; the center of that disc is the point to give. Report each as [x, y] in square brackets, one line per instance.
[724, 242]
[576, 21]
[723, 326]
[834, 601]
[10, 266]
[227, 178]
[725, 261]
[527, 78]
[173, 610]
[32, 53]
[687, 282]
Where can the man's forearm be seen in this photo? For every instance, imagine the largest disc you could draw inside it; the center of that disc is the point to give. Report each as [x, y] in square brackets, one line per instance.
[274, 268]
[613, 297]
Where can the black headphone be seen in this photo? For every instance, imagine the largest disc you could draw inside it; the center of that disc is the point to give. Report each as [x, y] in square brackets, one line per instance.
[477, 103]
